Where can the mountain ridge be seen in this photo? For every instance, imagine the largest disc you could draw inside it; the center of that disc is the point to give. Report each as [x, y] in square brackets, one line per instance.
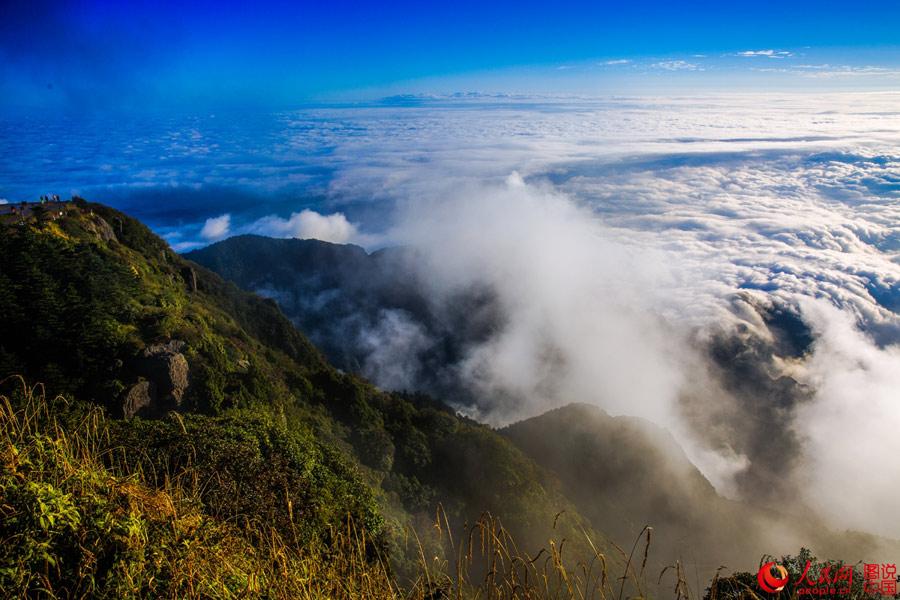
[657, 489]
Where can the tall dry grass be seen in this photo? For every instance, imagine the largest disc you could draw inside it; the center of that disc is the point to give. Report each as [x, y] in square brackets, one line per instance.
[488, 563]
[77, 520]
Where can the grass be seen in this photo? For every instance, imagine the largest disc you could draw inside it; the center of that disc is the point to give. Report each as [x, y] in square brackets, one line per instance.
[489, 564]
[78, 519]
[75, 522]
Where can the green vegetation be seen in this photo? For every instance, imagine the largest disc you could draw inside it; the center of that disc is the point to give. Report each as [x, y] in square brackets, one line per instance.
[86, 293]
[247, 466]
[81, 520]
[78, 520]
[265, 431]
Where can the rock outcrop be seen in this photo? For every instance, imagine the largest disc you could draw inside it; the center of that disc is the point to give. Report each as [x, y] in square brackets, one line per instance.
[137, 398]
[163, 378]
[101, 228]
[189, 274]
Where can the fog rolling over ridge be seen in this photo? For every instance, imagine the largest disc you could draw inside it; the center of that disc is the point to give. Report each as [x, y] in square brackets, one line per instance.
[730, 277]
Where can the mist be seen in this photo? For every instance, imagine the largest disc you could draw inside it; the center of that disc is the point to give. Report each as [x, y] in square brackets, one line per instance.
[777, 398]
[849, 431]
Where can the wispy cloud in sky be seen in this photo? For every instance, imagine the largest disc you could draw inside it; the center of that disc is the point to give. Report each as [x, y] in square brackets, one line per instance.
[305, 224]
[308, 224]
[675, 65]
[765, 53]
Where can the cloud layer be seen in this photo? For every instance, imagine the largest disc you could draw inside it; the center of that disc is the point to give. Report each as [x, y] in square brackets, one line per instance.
[624, 240]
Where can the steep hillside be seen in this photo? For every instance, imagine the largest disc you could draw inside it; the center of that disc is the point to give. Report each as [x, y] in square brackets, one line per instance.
[98, 308]
[624, 472]
[96, 304]
[349, 302]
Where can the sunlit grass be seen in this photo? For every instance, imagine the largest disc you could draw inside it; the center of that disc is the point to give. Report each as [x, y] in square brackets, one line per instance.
[79, 521]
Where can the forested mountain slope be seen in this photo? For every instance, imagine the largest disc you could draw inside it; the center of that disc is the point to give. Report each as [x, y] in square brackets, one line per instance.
[99, 309]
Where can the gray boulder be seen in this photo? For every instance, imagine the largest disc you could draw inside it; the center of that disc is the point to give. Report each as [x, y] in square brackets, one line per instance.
[137, 398]
[163, 378]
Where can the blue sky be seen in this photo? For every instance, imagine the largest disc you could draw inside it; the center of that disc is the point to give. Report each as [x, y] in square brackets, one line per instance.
[99, 54]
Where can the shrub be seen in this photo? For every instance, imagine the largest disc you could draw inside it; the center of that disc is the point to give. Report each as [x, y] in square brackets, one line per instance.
[79, 521]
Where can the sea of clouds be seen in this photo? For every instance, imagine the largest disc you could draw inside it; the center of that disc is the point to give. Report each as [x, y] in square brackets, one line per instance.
[617, 235]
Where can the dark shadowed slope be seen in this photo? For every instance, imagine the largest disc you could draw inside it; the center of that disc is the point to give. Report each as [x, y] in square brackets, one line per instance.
[624, 472]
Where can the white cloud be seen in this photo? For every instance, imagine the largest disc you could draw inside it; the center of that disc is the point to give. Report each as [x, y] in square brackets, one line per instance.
[850, 431]
[515, 180]
[766, 53]
[826, 72]
[216, 228]
[675, 65]
[576, 301]
[185, 246]
[395, 336]
[619, 61]
[308, 224]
